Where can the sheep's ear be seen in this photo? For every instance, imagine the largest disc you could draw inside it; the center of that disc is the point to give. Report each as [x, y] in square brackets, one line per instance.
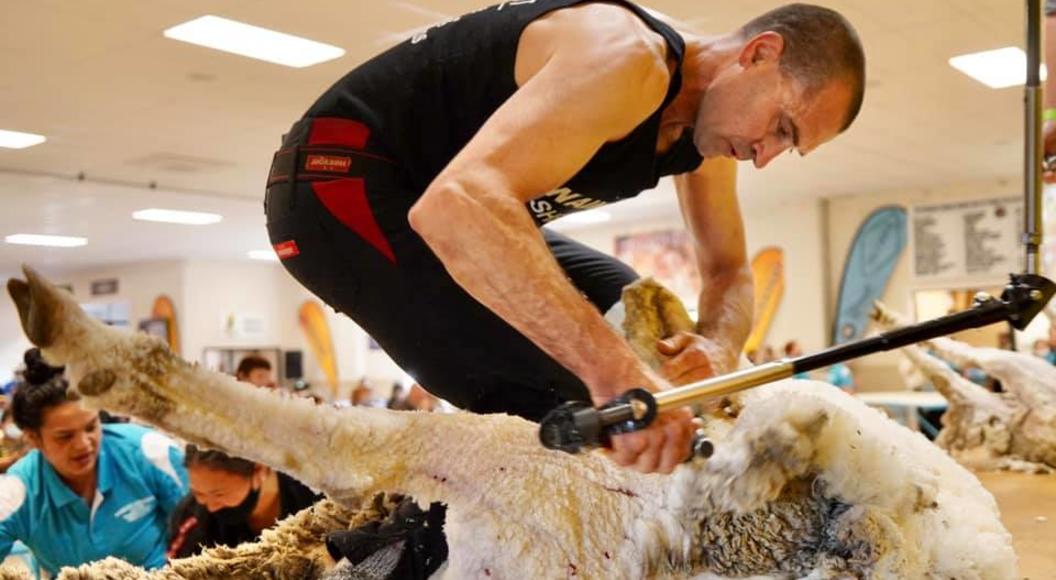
[39, 307]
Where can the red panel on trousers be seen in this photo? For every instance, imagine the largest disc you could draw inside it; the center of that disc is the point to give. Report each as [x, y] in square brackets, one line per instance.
[338, 131]
[347, 201]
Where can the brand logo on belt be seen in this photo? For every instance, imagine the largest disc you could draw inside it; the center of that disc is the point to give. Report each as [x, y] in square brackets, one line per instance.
[330, 163]
[287, 249]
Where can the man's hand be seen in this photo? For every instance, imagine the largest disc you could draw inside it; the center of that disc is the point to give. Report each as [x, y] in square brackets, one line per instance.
[661, 447]
[692, 357]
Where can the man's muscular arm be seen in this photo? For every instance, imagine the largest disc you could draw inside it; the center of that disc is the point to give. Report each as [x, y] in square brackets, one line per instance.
[597, 81]
[708, 198]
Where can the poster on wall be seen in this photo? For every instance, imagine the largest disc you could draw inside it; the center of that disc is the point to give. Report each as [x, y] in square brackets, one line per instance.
[975, 241]
[875, 250]
[768, 281]
[316, 330]
[668, 257]
[109, 313]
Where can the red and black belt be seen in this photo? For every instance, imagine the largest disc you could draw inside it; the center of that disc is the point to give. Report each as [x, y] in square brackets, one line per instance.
[324, 148]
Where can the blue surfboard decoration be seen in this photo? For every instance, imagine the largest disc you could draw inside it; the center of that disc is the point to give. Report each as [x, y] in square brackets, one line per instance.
[874, 252]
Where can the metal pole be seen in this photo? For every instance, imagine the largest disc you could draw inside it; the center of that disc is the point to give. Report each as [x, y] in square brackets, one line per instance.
[1034, 145]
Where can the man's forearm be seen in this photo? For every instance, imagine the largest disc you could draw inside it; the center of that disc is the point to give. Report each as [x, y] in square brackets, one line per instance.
[725, 312]
[499, 257]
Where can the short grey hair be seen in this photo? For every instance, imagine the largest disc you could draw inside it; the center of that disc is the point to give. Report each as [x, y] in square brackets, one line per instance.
[820, 46]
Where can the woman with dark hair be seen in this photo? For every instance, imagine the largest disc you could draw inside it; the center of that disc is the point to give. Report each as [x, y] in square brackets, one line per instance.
[231, 501]
[87, 490]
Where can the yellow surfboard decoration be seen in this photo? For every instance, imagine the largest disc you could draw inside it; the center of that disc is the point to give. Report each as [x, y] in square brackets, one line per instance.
[768, 274]
[317, 331]
[165, 310]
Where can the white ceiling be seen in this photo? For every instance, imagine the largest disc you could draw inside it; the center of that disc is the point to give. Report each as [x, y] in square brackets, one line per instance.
[120, 103]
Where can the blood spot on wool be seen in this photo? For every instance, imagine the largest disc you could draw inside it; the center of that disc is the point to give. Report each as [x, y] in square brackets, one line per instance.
[572, 569]
[625, 492]
[487, 572]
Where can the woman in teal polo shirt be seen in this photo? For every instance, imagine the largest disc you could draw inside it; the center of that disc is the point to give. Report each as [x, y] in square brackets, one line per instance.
[87, 490]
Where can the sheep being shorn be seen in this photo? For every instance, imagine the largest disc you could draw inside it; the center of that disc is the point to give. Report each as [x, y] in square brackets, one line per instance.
[805, 482]
[1014, 429]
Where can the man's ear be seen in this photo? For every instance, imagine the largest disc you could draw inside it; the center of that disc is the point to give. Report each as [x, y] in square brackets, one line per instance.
[763, 48]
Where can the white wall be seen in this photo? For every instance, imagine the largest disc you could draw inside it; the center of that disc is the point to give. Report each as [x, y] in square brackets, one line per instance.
[216, 293]
[206, 294]
[138, 284]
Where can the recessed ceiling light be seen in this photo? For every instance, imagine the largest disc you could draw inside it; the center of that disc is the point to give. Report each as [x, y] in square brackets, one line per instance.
[997, 69]
[268, 255]
[45, 240]
[593, 216]
[175, 216]
[17, 140]
[253, 41]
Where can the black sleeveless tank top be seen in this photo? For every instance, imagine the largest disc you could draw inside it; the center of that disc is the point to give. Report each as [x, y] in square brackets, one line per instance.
[425, 98]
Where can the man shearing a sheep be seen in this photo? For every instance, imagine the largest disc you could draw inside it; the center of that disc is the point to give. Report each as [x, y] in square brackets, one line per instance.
[411, 195]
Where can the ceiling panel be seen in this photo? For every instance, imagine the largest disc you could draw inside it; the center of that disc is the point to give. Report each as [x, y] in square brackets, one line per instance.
[118, 101]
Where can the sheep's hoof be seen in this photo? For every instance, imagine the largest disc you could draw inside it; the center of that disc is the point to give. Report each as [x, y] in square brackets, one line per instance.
[37, 308]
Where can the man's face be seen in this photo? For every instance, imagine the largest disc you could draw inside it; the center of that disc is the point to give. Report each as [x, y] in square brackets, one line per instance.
[260, 377]
[69, 439]
[754, 111]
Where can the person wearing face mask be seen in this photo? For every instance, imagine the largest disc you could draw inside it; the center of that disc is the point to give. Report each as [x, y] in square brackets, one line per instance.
[231, 501]
[87, 490]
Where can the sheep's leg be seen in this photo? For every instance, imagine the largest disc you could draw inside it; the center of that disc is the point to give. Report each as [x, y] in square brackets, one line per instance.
[955, 388]
[1027, 377]
[136, 375]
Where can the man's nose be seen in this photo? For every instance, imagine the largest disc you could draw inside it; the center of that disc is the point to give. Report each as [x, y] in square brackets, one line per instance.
[764, 152]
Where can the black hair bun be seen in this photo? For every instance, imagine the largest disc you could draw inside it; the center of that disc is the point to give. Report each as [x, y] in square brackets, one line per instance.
[37, 371]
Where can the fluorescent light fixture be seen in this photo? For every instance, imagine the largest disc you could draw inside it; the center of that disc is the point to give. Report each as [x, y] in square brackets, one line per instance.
[45, 240]
[997, 69]
[175, 216]
[17, 140]
[267, 255]
[593, 216]
[253, 41]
